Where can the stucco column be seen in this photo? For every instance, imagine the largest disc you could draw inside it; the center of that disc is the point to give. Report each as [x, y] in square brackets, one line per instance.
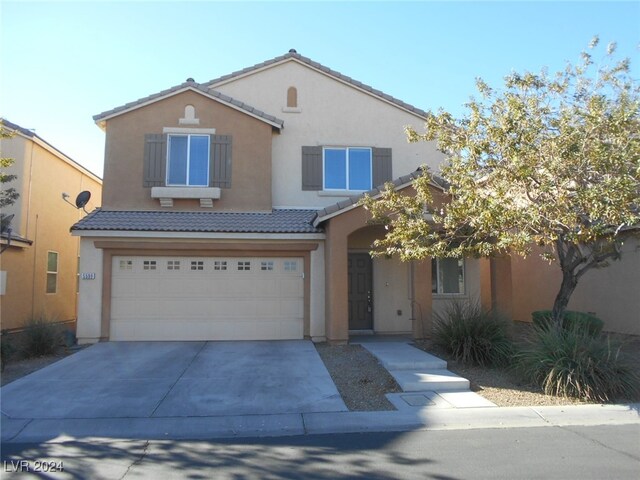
[422, 299]
[486, 294]
[501, 290]
[336, 284]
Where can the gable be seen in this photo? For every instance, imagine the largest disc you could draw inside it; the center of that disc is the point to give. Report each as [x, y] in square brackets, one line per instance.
[248, 185]
[294, 57]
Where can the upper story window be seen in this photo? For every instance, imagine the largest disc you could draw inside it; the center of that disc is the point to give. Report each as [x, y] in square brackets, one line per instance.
[188, 160]
[447, 276]
[347, 168]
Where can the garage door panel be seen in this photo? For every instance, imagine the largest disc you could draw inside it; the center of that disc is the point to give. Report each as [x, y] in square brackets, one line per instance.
[197, 298]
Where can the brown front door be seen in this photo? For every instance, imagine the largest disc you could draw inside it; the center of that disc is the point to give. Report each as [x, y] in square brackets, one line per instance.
[360, 292]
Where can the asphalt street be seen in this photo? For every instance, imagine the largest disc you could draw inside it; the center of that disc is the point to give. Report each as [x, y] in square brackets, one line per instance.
[553, 452]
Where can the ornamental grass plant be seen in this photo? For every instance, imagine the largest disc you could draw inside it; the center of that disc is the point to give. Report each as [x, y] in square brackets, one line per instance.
[473, 335]
[41, 337]
[572, 362]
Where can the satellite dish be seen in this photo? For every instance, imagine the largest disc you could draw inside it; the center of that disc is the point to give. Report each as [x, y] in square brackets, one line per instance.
[83, 198]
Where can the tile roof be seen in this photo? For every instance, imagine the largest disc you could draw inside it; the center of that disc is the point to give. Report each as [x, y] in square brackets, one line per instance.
[333, 73]
[276, 221]
[193, 86]
[336, 208]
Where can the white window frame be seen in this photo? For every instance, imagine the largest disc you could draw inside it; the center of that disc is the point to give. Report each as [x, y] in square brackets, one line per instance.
[188, 135]
[347, 189]
[52, 272]
[439, 279]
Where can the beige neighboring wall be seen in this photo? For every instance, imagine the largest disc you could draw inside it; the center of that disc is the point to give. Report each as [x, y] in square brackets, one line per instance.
[612, 293]
[44, 218]
[340, 115]
[124, 154]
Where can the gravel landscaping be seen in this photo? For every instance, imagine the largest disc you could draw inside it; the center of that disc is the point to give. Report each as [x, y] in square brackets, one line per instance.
[360, 379]
[502, 387]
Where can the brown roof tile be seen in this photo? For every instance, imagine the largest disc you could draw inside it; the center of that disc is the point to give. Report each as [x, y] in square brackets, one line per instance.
[276, 221]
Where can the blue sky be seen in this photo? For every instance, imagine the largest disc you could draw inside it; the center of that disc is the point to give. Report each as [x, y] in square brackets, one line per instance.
[63, 62]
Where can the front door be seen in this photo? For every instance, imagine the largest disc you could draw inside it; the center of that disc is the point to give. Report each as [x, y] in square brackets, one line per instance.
[360, 292]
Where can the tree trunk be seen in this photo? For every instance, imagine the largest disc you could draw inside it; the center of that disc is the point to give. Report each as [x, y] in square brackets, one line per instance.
[568, 285]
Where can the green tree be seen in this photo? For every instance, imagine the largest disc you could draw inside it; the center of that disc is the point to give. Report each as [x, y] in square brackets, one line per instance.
[9, 195]
[549, 160]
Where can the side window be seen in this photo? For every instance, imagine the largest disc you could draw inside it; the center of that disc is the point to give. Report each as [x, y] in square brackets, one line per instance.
[52, 272]
[188, 160]
[447, 276]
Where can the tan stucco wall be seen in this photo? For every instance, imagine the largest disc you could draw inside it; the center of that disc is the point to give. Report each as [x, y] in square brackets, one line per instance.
[330, 113]
[612, 293]
[124, 154]
[45, 219]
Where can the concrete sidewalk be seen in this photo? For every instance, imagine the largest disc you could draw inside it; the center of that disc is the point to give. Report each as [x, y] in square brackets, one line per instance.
[60, 430]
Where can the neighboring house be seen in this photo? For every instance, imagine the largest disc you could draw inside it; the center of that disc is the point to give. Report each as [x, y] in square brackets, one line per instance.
[612, 293]
[230, 212]
[39, 262]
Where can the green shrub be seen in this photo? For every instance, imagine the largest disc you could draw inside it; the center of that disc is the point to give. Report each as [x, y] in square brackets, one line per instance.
[7, 349]
[590, 323]
[570, 362]
[472, 335]
[41, 337]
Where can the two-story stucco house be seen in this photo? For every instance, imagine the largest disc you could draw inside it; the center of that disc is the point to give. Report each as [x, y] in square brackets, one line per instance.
[230, 212]
[39, 259]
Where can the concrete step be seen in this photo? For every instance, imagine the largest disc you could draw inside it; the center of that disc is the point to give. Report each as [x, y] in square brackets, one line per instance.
[401, 356]
[434, 380]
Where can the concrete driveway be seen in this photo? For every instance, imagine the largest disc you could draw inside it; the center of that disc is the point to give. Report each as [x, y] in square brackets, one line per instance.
[177, 379]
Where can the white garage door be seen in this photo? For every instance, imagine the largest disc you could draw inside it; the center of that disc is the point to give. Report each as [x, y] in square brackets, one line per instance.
[206, 298]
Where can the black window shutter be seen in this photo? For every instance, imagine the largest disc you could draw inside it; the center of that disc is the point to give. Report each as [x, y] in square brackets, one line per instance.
[381, 166]
[155, 160]
[220, 161]
[312, 168]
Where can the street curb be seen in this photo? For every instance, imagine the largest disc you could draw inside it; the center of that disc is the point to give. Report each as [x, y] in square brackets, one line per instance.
[238, 426]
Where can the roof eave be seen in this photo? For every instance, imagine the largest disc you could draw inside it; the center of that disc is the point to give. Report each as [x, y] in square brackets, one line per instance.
[101, 118]
[375, 194]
